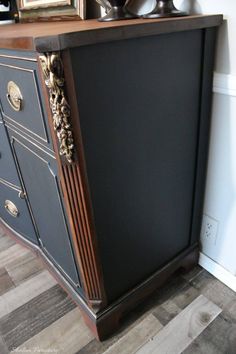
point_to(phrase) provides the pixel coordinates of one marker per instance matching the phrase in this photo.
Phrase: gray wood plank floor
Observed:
(192, 314)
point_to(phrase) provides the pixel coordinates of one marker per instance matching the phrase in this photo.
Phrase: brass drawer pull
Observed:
(11, 208)
(14, 96)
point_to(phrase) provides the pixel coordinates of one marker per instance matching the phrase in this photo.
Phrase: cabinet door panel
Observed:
(8, 170)
(14, 211)
(38, 172)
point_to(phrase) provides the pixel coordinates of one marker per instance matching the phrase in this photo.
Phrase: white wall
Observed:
(220, 199)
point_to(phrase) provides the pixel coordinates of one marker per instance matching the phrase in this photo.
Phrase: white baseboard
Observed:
(218, 271)
(224, 84)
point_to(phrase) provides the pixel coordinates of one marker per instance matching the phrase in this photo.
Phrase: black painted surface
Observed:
(139, 109)
(22, 223)
(8, 170)
(39, 175)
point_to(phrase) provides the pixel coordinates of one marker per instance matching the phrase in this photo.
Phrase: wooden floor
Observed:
(193, 313)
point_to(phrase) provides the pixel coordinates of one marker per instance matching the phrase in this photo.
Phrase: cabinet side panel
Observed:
(139, 112)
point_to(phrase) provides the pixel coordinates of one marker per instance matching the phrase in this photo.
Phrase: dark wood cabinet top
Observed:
(53, 36)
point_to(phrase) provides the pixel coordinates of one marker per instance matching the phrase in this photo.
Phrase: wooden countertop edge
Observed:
(101, 32)
(146, 28)
(23, 43)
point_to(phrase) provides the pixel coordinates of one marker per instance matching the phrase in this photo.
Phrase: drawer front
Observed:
(14, 211)
(22, 100)
(8, 170)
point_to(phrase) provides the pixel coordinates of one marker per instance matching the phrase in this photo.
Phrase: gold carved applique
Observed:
(54, 79)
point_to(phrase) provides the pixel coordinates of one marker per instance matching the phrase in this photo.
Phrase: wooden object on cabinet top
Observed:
(54, 36)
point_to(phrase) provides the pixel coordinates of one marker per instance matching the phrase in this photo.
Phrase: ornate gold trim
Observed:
(54, 79)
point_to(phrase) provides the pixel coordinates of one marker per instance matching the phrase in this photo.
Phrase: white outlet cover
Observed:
(209, 230)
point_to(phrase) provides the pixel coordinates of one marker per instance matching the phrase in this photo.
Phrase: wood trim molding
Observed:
(218, 271)
(224, 84)
(76, 196)
(74, 190)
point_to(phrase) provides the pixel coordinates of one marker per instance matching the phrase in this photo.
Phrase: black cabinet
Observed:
(116, 200)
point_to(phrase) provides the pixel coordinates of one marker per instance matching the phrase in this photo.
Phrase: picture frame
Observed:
(51, 10)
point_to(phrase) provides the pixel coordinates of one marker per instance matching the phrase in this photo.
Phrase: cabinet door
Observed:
(15, 213)
(39, 174)
(8, 170)
(14, 209)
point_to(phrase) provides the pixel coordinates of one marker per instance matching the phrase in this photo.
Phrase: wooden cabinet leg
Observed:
(104, 327)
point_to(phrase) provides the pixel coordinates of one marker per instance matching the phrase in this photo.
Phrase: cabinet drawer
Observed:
(21, 99)
(8, 170)
(14, 211)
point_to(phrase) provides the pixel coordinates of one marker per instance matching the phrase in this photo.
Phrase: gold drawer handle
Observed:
(11, 208)
(14, 96)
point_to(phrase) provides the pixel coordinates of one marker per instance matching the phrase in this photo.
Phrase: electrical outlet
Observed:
(209, 229)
